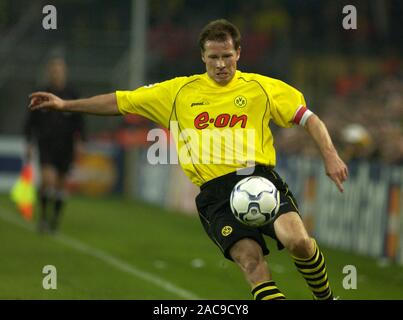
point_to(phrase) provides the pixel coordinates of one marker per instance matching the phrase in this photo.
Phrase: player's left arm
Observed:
(335, 167)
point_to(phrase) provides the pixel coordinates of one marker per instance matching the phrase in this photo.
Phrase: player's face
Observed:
(221, 60)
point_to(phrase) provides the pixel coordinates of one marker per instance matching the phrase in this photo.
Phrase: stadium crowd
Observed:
(364, 115)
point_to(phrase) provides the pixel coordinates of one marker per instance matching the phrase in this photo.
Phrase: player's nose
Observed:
(220, 63)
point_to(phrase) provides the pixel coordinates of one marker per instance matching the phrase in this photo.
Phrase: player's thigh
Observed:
(290, 230)
(221, 225)
(225, 230)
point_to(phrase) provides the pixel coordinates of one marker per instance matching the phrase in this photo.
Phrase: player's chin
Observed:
(222, 78)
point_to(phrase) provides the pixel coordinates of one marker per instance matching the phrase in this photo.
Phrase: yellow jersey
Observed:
(218, 129)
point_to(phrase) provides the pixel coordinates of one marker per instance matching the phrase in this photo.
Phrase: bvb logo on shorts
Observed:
(226, 231)
(240, 101)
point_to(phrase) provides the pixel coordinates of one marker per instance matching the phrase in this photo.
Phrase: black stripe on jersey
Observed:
(174, 103)
(267, 103)
(179, 126)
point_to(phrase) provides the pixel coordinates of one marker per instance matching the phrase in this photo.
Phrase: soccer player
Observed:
(219, 102)
(58, 136)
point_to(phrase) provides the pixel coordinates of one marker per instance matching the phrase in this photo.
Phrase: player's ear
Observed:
(238, 53)
(202, 56)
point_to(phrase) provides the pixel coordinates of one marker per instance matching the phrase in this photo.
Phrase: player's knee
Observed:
(301, 247)
(248, 255)
(250, 264)
(254, 266)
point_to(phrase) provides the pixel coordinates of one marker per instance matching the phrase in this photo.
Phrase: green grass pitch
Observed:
(113, 248)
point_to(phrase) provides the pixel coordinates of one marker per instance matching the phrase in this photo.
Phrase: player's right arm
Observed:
(104, 104)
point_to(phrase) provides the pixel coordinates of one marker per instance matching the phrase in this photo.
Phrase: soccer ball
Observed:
(255, 201)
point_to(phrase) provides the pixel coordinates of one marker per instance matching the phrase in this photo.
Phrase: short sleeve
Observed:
(154, 101)
(285, 103)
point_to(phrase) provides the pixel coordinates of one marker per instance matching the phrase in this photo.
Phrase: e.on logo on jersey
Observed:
(203, 120)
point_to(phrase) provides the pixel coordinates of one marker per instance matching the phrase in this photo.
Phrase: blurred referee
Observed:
(58, 137)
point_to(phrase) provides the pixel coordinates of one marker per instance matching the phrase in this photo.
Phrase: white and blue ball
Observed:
(255, 201)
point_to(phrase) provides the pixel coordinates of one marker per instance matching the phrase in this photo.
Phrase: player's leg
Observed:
(243, 245)
(239, 243)
(290, 232)
(307, 256)
(248, 255)
(46, 194)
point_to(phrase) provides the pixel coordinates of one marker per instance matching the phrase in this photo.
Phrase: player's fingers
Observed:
(40, 94)
(33, 107)
(37, 97)
(344, 174)
(45, 104)
(338, 184)
(34, 101)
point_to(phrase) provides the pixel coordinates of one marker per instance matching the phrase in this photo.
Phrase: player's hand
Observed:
(39, 100)
(336, 170)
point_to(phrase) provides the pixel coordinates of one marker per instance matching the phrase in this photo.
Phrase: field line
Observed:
(106, 258)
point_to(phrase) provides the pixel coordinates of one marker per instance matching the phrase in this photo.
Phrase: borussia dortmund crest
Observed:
(226, 231)
(240, 101)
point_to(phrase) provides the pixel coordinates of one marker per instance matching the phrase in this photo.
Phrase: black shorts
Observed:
(213, 205)
(59, 157)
